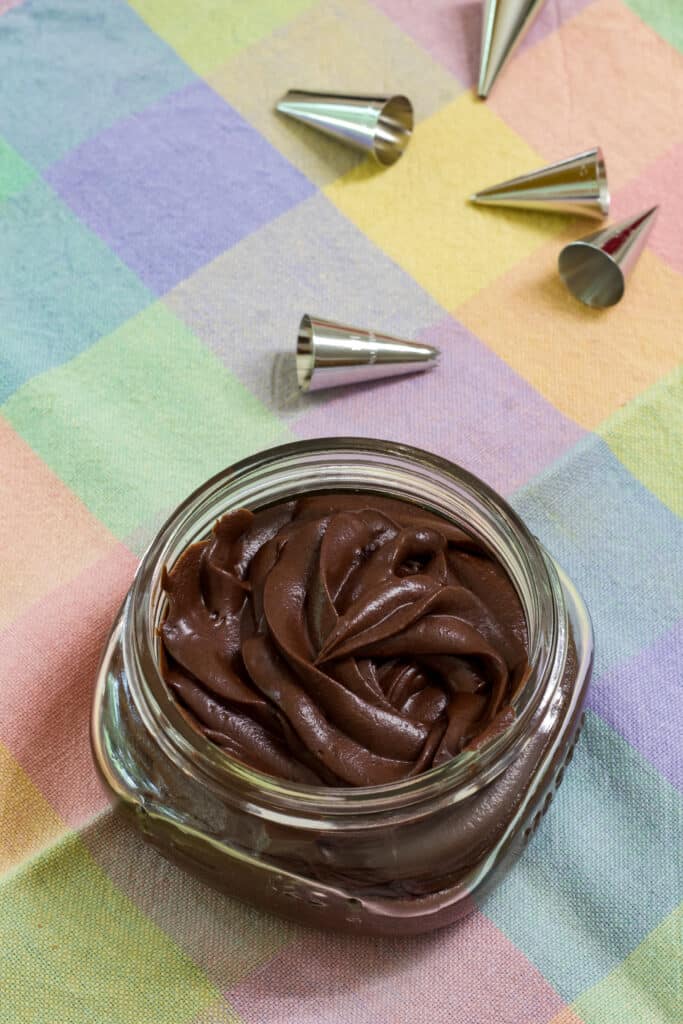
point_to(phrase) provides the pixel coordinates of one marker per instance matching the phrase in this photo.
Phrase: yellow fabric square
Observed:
(587, 362)
(417, 211)
(328, 35)
(27, 822)
(207, 32)
(75, 949)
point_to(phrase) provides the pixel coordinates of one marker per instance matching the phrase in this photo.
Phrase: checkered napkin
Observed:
(161, 232)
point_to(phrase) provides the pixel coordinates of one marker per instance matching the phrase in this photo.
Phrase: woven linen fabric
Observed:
(161, 232)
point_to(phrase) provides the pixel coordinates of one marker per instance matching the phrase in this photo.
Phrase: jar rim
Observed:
(542, 600)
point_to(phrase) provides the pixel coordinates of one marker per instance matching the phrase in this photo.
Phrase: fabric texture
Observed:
(162, 230)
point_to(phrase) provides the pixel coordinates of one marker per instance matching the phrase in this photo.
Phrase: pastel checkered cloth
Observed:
(161, 232)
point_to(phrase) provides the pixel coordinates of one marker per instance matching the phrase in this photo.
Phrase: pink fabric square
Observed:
(48, 660)
(47, 535)
(460, 975)
(660, 183)
(451, 29)
(604, 78)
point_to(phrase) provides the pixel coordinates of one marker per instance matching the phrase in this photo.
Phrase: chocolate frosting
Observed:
(342, 639)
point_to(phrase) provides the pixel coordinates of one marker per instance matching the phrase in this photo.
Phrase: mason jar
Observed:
(398, 858)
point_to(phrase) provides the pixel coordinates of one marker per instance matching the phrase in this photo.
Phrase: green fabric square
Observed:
(645, 435)
(647, 988)
(75, 949)
(140, 419)
(664, 16)
(228, 939)
(14, 172)
(61, 287)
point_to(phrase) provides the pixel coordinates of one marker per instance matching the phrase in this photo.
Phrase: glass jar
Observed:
(399, 858)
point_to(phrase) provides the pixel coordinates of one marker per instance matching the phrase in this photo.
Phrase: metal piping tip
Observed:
(595, 268)
(378, 125)
(329, 355)
(506, 22)
(576, 185)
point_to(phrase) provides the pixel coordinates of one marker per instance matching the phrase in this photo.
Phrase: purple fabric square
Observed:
(473, 409)
(642, 699)
(171, 188)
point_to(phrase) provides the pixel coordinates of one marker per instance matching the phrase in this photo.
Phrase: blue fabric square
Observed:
(61, 288)
(620, 545)
(70, 69)
(602, 870)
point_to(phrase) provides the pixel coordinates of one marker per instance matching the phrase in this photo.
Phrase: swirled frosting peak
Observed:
(342, 639)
